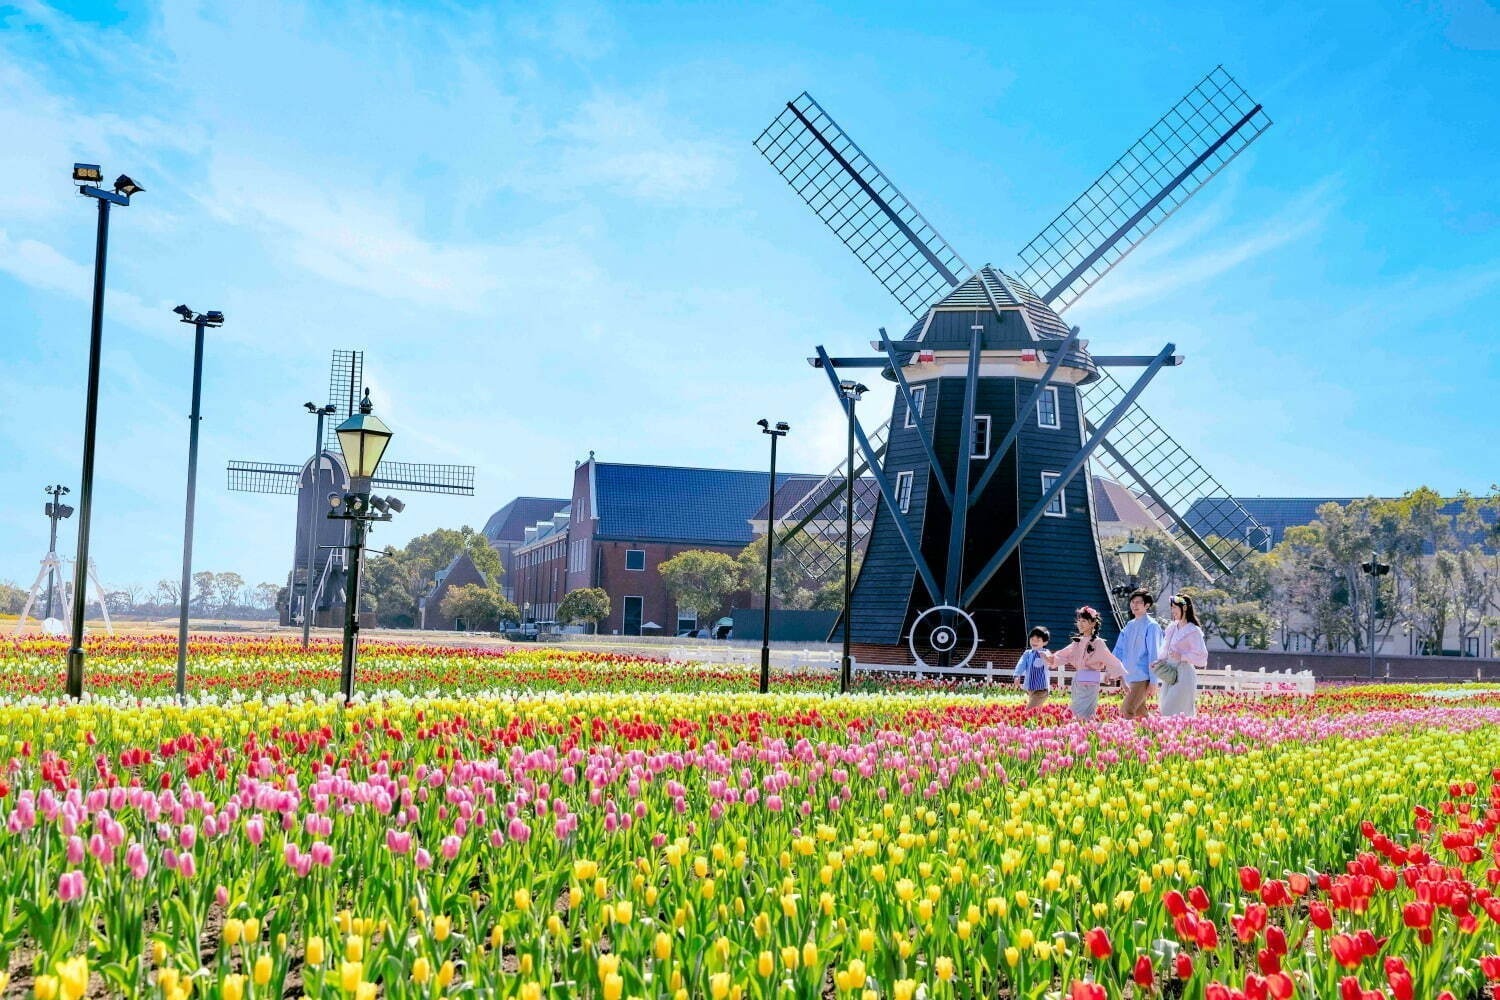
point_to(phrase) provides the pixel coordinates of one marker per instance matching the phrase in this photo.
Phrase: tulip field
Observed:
(554, 824)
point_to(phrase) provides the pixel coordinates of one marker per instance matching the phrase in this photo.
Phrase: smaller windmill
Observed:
(315, 585)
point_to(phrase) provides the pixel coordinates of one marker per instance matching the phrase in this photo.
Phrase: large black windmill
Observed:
(964, 552)
(320, 549)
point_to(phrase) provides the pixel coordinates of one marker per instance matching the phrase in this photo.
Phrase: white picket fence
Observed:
(1226, 679)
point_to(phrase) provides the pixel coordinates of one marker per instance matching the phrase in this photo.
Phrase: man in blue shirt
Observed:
(1138, 646)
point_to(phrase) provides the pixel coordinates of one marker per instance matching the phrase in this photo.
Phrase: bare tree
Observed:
(168, 593)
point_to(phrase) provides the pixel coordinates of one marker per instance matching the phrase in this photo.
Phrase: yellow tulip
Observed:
(252, 930)
(614, 986)
(442, 926)
(522, 899)
(314, 952)
(661, 946)
(1012, 956)
(158, 952)
(73, 978)
(233, 988)
(350, 975)
(944, 968)
(445, 975)
(232, 932)
(583, 870)
(718, 985)
(45, 988)
(810, 955)
(866, 939)
(531, 991)
(624, 910)
(354, 948)
(765, 964)
(263, 966)
(789, 957)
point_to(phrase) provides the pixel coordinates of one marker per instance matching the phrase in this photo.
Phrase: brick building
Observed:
(506, 529)
(622, 523)
(460, 572)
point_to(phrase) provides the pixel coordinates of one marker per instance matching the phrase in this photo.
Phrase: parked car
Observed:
(524, 632)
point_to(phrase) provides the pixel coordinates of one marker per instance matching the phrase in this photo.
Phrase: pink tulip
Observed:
(255, 830)
(71, 886)
(423, 859)
(449, 847)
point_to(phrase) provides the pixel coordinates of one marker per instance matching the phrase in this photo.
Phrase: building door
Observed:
(634, 608)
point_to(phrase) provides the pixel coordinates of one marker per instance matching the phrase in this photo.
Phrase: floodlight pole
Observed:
(90, 422)
(778, 431)
(56, 493)
(199, 321)
(851, 392)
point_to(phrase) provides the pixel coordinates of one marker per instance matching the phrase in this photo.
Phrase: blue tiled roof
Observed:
(1278, 514)
(658, 503)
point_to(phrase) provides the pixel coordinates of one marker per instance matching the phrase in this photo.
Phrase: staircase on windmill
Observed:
(319, 552)
(967, 553)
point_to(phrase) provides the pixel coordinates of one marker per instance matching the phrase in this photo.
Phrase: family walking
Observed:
(1144, 654)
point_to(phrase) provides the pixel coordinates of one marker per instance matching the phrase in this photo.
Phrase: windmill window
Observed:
(981, 436)
(1047, 413)
(903, 490)
(635, 559)
(918, 402)
(1058, 506)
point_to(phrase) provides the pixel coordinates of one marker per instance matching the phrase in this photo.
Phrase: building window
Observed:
(1471, 645)
(1058, 506)
(903, 490)
(981, 437)
(687, 620)
(634, 612)
(635, 559)
(1047, 412)
(918, 403)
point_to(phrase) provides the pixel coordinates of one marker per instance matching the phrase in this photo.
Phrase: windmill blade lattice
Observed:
(424, 477)
(1152, 179)
(264, 477)
(346, 379)
(806, 528)
(1170, 483)
(860, 204)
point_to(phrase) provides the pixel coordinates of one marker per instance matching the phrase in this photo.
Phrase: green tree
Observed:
(481, 608)
(586, 604)
(791, 588)
(12, 598)
(1164, 567)
(227, 589)
(701, 580)
(203, 591)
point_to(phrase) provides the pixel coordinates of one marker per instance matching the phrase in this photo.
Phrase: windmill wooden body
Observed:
(320, 542)
(985, 527)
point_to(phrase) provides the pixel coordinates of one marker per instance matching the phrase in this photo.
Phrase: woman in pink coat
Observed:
(1090, 658)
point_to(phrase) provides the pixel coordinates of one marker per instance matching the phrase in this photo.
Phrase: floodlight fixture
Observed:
(214, 318)
(783, 426)
(852, 389)
(124, 185)
(185, 313)
(311, 407)
(379, 504)
(335, 500)
(763, 424)
(395, 505)
(88, 173)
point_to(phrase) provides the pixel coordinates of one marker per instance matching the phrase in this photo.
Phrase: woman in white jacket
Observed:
(1183, 654)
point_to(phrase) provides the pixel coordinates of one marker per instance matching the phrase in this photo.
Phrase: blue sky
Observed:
(548, 229)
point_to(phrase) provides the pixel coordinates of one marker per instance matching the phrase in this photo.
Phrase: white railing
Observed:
(1226, 679)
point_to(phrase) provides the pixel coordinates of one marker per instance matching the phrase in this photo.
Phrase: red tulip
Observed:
(1276, 940)
(1175, 904)
(1216, 991)
(1346, 950)
(1097, 942)
(1268, 961)
(1280, 986)
(1182, 965)
(1198, 898)
(1417, 914)
(1490, 966)
(1208, 935)
(1143, 974)
(1320, 916)
(1249, 878)
(1087, 991)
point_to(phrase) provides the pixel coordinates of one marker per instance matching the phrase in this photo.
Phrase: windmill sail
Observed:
(860, 204)
(1152, 179)
(346, 379)
(1170, 163)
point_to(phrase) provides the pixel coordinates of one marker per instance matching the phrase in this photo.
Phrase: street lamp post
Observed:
(852, 391)
(88, 177)
(212, 318)
(775, 432)
(1374, 569)
(1131, 554)
(362, 440)
(308, 608)
(56, 511)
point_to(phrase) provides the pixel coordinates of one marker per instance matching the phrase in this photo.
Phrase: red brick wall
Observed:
(608, 558)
